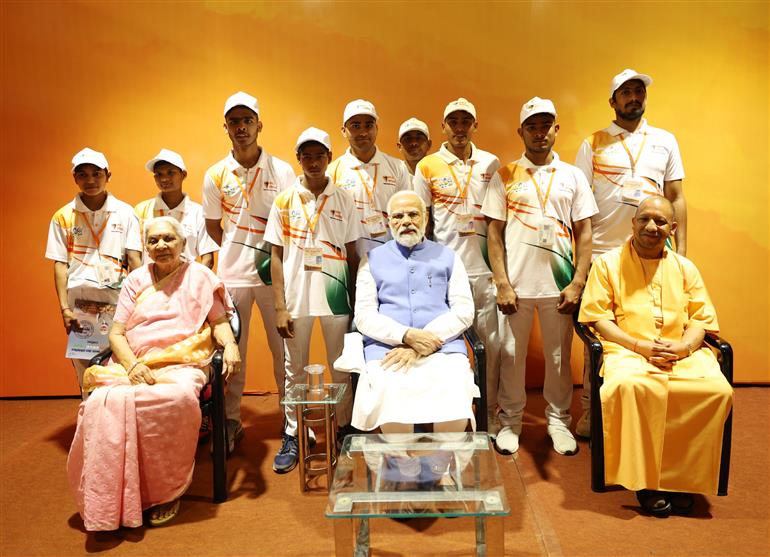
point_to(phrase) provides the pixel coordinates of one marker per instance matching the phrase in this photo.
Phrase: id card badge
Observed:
(375, 225)
(313, 259)
(464, 223)
(546, 233)
(633, 189)
(105, 274)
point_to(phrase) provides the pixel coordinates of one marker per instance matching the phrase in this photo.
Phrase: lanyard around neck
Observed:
(462, 189)
(369, 192)
(312, 221)
(97, 236)
(247, 195)
(631, 159)
(542, 199)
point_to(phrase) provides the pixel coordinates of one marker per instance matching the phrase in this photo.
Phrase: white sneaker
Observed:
(583, 427)
(563, 441)
(507, 442)
(493, 424)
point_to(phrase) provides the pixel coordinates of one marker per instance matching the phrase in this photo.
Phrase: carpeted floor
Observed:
(554, 512)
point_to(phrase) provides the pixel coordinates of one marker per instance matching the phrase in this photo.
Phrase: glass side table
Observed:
(416, 475)
(316, 408)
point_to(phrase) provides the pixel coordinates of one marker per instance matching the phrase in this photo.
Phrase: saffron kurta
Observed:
(662, 429)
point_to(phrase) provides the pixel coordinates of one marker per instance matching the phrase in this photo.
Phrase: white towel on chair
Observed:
(352, 358)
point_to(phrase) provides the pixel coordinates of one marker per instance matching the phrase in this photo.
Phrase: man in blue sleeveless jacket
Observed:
(413, 302)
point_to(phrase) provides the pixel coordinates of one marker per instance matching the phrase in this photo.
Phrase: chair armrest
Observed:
(475, 342)
(593, 344)
(235, 324)
(101, 357)
(725, 354)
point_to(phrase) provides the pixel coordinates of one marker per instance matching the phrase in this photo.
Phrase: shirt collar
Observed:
(109, 205)
(615, 130)
(234, 166)
(524, 162)
(450, 158)
(160, 204)
(356, 164)
(306, 195)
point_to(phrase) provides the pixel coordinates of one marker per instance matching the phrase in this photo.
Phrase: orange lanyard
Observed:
(311, 222)
(463, 190)
(542, 199)
(247, 195)
(631, 159)
(369, 193)
(97, 236)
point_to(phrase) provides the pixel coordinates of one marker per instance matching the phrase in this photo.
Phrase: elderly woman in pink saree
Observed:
(136, 436)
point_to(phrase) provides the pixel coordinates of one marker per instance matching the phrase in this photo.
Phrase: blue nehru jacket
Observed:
(412, 288)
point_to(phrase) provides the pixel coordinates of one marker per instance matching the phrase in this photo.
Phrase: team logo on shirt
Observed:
(77, 230)
(294, 214)
(444, 183)
(230, 189)
(519, 187)
(389, 180)
(269, 186)
(116, 227)
(347, 184)
(335, 214)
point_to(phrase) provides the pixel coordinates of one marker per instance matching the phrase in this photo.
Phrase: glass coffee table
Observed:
(416, 475)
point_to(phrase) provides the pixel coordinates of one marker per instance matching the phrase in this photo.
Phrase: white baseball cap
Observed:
(536, 105)
(413, 124)
(356, 107)
(627, 75)
(460, 104)
(241, 99)
(313, 134)
(166, 155)
(89, 156)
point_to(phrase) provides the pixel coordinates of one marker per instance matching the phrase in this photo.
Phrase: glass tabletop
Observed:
(328, 393)
(408, 475)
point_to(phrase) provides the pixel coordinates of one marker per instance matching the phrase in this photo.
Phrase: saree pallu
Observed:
(134, 446)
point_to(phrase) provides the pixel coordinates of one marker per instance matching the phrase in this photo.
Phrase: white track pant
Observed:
(556, 331)
(244, 299)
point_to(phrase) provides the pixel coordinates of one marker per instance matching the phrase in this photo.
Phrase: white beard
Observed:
(408, 240)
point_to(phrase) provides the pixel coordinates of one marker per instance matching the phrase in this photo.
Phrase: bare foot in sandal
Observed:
(164, 513)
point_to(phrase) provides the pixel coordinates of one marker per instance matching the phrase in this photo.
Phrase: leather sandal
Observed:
(168, 512)
(654, 502)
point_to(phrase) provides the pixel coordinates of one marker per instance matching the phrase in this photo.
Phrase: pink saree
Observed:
(134, 446)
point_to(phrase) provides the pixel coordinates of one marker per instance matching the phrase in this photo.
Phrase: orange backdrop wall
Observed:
(129, 78)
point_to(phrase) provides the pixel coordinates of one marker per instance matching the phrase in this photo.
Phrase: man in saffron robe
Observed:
(664, 399)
